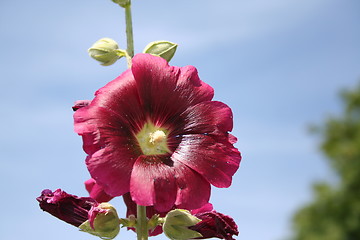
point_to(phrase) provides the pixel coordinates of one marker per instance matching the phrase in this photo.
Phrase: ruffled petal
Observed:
(193, 190)
(111, 169)
(209, 117)
(153, 182)
(215, 159)
(96, 191)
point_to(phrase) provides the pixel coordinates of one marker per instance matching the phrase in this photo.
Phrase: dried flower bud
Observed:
(103, 221)
(69, 208)
(177, 223)
(164, 49)
(106, 51)
(215, 224)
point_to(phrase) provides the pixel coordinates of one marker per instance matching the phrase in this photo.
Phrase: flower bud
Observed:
(103, 221)
(176, 225)
(162, 49)
(122, 3)
(106, 51)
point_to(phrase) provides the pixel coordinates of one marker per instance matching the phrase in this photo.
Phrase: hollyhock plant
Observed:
(156, 133)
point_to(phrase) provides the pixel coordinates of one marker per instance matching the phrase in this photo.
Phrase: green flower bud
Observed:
(162, 49)
(122, 3)
(103, 222)
(106, 51)
(176, 225)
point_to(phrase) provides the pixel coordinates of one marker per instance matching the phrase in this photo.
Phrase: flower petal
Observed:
(193, 190)
(209, 117)
(96, 191)
(121, 97)
(153, 183)
(166, 91)
(215, 159)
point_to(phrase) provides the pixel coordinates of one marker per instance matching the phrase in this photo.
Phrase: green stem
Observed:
(129, 30)
(142, 223)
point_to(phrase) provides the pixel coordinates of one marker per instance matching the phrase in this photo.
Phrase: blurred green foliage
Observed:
(334, 214)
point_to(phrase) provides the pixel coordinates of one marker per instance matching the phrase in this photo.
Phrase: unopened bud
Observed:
(164, 49)
(177, 223)
(122, 3)
(106, 51)
(103, 221)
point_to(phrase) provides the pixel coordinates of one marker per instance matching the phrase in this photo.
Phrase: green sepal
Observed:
(128, 222)
(106, 223)
(106, 234)
(164, 49)
(154, 222)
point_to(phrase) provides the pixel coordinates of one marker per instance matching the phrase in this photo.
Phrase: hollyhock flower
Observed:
(69, 208)
(155, 132)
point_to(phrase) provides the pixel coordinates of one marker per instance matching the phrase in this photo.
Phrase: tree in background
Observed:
(334, 214)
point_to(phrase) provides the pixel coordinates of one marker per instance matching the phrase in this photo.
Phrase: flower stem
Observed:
(129, 30)
(142, 223)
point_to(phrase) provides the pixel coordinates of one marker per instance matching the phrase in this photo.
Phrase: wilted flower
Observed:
(69, 208)
(82, 212)
(155, 132)
(215, 224)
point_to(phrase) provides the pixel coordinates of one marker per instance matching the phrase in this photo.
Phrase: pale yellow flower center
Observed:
(153, 140)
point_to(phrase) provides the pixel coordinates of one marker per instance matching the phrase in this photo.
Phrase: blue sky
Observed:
(278, 63)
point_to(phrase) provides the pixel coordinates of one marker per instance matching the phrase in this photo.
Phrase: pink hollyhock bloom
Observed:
(69, 208)
(155, 132)
(96, 191)
(214, 224)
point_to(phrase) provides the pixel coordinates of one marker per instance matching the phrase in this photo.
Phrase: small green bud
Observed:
(106, 51)
(122, 3)
(162, 49)
(103, 222)
(176, 225)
